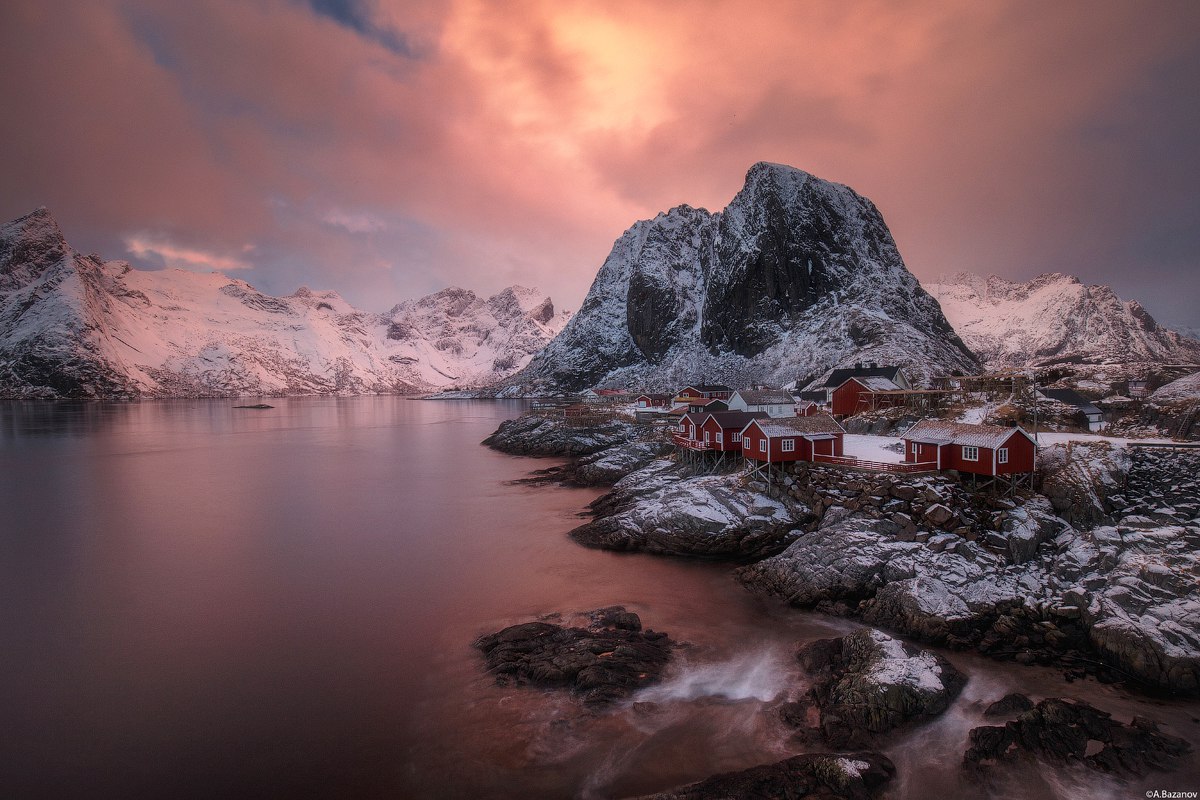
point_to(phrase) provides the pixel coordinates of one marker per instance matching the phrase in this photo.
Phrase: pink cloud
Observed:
(522, 139)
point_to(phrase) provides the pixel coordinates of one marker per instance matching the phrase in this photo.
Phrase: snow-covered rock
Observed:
(1185, 389)
(74, 326)
(866, 684)
(795, 276)
(1055, 319)
(710, 516)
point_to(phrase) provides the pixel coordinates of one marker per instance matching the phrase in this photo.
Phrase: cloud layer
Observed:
(388, 149)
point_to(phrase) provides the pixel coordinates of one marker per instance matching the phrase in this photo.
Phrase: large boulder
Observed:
(1072, 732)
(606, 660)
(543, 435)
(866, 684)
(708, 516)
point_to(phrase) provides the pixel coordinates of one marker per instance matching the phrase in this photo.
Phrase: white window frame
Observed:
(762, 445)
(720, 437)
(915, 448)
(970, 453)
(737, 437)
(706, 436)
(789, 446)
(1002, 455)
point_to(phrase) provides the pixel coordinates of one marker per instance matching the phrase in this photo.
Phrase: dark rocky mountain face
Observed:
(796, 276)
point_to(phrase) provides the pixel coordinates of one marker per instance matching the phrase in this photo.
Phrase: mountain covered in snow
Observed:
(796, 276)
(75, 326)
(1055, 319)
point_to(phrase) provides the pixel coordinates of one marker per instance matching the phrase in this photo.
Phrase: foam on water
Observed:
(761, 674)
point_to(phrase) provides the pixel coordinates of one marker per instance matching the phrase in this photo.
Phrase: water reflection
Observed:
(201, 600)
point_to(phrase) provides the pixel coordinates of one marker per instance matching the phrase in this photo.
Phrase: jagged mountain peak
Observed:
(74, 326)
(794, 276)
(28, 246)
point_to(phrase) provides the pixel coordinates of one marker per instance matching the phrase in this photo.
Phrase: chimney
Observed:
(858, 365)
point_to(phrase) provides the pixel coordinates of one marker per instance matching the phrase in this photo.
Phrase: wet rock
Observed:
(606, 660)
(1063, 732)
(849, 776)
(539, 435)
(938, 515)
(710, 516)
(612, 464)
(1008, 705)
(866, 684)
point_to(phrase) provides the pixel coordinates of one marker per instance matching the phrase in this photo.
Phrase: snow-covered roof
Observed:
(934, 431)
(766, 397)
(840, 376)
(876, 384)
(799, 426)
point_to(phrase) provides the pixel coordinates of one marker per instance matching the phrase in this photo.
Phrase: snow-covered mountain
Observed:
(75, 326)
(1055, 319)
(795, 277)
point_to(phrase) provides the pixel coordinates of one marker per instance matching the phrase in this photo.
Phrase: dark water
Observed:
(203, 601)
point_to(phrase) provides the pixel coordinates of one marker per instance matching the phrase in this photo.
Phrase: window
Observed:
(970, 453)
(762, 445)
(1002, 455)
(720, 438)
(789, 445)
(914, 449)
(706, 435)
(737, 436)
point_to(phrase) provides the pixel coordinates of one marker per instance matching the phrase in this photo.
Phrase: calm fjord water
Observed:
(197, 600)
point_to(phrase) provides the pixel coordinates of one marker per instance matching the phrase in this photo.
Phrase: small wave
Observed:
(755, 675)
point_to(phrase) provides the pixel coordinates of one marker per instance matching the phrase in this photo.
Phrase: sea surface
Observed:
(204, 601)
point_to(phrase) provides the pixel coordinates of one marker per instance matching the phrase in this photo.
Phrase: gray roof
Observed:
(735, 419)
(936, 431)
(766, 397)
(877, 384)
(1070, 397)
(840, 376)
(816, 425)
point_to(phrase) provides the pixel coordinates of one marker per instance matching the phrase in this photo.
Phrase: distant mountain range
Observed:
(796, 276)
(1055, 319)
(74, 326)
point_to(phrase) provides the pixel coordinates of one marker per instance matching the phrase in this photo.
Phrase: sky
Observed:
(387, 149)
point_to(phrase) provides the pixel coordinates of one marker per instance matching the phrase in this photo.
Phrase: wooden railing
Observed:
(689, 444)
(875, 466)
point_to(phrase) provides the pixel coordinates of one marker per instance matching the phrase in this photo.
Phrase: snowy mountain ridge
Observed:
(1055, 319)
(74, 326)
(795, 277)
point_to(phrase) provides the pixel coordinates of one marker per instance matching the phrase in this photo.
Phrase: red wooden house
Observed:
(992, 450)
(689, 432)
(806, 408)
(701, 405)
(653, 401)
(856, 395)
(722, 430)
(782, 439)
(704, 391)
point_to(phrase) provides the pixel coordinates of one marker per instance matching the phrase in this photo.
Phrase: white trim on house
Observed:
(789, 445)
(1002, 455)
(970, 453)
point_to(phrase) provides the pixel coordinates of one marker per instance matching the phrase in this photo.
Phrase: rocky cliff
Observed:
(794, 277)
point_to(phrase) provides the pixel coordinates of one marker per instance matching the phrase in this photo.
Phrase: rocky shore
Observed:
(600, 452)
(1094, 573)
